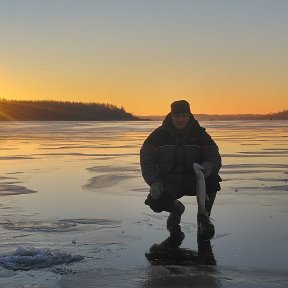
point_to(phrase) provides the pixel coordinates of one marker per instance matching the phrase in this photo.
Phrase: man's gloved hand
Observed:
(207, 169)
(156, 189)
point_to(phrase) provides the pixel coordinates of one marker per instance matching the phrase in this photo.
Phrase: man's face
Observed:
(180, 121)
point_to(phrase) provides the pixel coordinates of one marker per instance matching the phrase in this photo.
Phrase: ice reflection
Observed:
(169, 252)
(174, 263)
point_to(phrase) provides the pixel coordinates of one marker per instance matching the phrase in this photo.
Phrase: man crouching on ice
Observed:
(167, 157)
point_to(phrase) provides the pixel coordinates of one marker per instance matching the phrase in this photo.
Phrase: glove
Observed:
(207, 169)
(156, 189)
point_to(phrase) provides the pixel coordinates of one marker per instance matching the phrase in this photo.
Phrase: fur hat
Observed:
(180, 107)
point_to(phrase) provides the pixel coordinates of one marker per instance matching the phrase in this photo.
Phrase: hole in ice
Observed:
(27, 258)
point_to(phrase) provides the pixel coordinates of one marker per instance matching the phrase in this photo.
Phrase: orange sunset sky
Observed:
(224, 57)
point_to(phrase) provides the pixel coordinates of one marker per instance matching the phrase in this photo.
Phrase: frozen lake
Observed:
(72, 210)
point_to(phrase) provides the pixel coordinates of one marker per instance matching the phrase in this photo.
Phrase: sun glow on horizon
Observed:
(222, 63)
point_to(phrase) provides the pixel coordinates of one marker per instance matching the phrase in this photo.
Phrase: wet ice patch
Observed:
(104, 181)
(39, 226)
(16, 157)
(9, 186)
(98, 223)
(27, 258)
(254, 155)
(265, 153)
(253, 168)
(13, 189)
(63, 225)
(102, 168)
(6, 178)
(249, 166)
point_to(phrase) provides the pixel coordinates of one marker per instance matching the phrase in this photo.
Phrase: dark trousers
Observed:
(175, 191)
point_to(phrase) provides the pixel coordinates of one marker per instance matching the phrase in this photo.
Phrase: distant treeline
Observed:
(60, 111)
(283, 115)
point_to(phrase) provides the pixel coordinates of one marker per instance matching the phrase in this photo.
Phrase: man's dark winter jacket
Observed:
(167, 156)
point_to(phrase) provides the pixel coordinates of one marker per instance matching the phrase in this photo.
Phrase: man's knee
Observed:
(161, 204)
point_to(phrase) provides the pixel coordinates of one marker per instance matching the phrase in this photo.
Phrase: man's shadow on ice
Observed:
(168, 252)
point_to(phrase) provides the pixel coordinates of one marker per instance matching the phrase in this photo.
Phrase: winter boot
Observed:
(176, 210)
(175, 239)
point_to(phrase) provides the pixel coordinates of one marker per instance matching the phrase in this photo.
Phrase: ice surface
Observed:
(90, 203)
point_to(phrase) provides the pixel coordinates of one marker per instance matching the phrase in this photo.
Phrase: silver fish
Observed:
(201, 195)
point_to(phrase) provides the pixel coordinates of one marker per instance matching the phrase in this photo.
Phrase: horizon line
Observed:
(144, 115)
(217, 114)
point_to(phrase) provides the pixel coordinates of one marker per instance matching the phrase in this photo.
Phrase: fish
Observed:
(201, 195)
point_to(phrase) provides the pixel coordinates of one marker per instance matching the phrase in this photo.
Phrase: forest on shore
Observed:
(30, 110)
(46, 110)
(283, 115)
